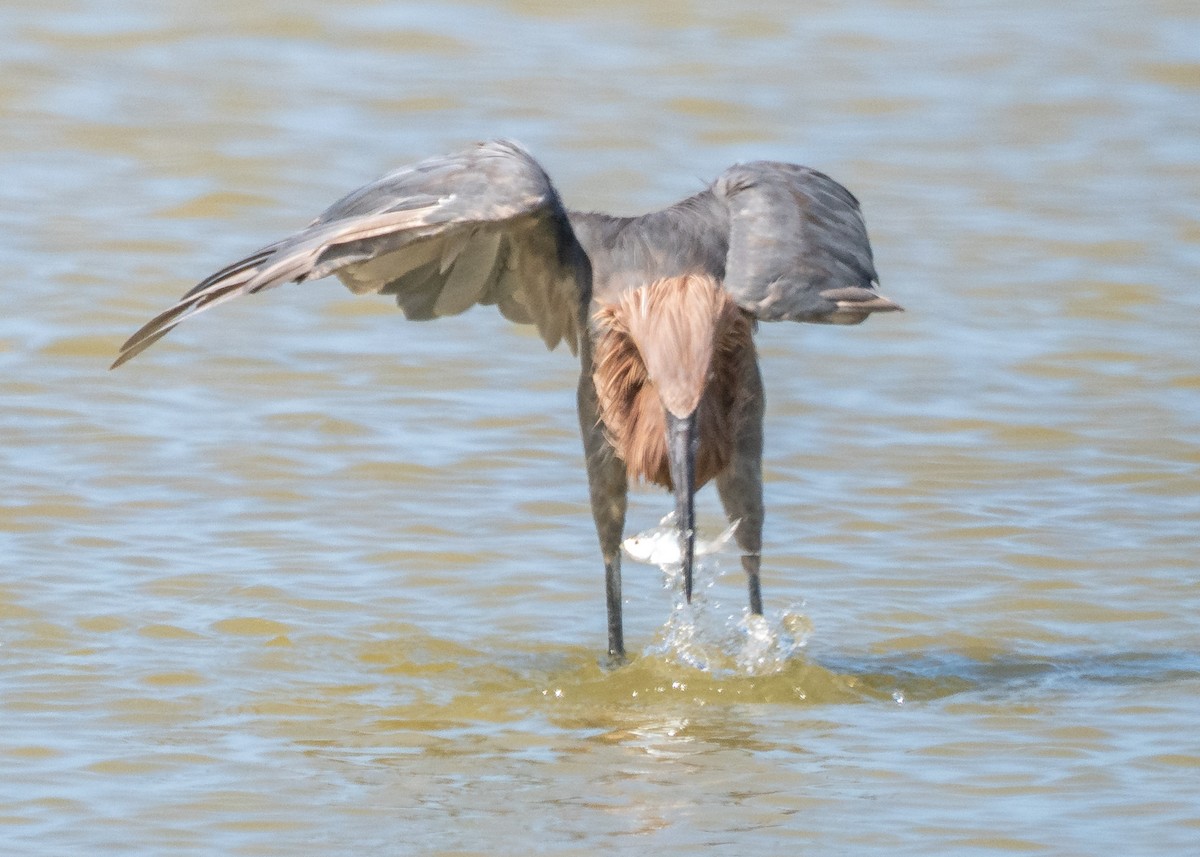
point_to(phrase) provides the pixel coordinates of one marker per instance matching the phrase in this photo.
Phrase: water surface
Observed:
(306, 578)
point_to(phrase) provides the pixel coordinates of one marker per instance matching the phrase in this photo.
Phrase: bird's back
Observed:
(626, 253)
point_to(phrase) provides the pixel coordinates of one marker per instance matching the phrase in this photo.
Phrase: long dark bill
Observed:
(682, 443)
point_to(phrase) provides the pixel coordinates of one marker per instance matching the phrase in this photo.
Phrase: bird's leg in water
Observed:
(740, 488)
(750, 563)
(608, 508)
(612, 595)
(608, 489)
(740, 484)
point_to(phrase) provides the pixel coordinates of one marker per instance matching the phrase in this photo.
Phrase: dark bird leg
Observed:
(608, 489)
(740, 484)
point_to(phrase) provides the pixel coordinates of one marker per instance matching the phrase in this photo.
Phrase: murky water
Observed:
(307, 579)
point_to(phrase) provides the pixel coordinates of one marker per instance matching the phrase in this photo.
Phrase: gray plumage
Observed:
(486, 226)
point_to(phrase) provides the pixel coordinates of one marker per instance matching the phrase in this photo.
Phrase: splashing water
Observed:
(702, 635)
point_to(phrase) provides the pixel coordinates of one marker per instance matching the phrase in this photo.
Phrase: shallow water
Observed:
(305, 578)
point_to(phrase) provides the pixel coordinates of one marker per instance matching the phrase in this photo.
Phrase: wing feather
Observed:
(364, 274)
(472, 213)
(798, 246)
(467, 281)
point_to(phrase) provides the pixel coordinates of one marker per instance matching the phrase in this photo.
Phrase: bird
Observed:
(660, 308)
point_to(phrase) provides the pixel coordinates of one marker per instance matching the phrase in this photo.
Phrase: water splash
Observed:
(703, 635)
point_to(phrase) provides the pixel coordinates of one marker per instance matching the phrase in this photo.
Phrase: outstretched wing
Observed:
(798, 247)
(482, 226)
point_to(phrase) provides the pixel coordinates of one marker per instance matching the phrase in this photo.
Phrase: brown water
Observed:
(308, 579)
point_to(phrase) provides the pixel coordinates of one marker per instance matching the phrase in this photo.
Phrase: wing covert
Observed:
(798, 246)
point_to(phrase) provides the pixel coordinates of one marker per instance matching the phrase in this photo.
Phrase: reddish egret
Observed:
(660, 308)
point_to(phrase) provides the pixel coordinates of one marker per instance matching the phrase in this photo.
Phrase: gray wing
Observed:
(481, 226)
(798, 247)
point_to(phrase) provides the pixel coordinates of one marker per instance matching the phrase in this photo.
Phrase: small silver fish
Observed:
(660, 546)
